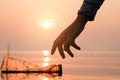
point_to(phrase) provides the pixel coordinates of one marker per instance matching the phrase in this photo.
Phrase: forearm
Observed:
(89, 8)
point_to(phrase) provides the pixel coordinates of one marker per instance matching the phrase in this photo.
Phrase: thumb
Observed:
(75, 45)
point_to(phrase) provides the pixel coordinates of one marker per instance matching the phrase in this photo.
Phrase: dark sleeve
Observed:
(89, 8)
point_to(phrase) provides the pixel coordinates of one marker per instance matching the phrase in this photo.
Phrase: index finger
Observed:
(53, 48)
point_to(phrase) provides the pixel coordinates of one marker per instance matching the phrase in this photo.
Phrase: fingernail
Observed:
(63, 57)
(51, 53)
(72, 56)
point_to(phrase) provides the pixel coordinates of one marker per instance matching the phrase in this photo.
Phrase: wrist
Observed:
(82, 19)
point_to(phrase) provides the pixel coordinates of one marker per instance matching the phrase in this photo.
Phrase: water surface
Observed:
(86, 65)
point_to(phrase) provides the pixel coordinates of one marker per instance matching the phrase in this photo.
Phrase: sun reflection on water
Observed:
(45, 78)
(45, 53)
(45, 64)
(46, 58)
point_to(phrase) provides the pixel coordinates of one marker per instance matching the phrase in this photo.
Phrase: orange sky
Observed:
(20, 24)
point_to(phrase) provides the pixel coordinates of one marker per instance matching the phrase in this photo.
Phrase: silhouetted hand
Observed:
(68, 36)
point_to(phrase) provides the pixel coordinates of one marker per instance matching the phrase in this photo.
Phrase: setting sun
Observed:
(46, 24)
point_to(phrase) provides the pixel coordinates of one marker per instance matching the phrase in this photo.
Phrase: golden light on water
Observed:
(45, 64)
(45, 78)
(45, 52)
(46, 58)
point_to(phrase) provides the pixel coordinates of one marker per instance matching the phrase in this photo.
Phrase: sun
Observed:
(46, 24)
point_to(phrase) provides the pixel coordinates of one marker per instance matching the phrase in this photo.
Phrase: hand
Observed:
(68, 36)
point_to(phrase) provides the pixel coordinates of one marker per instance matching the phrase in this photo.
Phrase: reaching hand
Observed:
(68, 36)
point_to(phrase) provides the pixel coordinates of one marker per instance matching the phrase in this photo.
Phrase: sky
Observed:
(22, 24)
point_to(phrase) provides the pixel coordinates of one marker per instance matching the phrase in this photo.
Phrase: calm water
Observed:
(84, 66)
